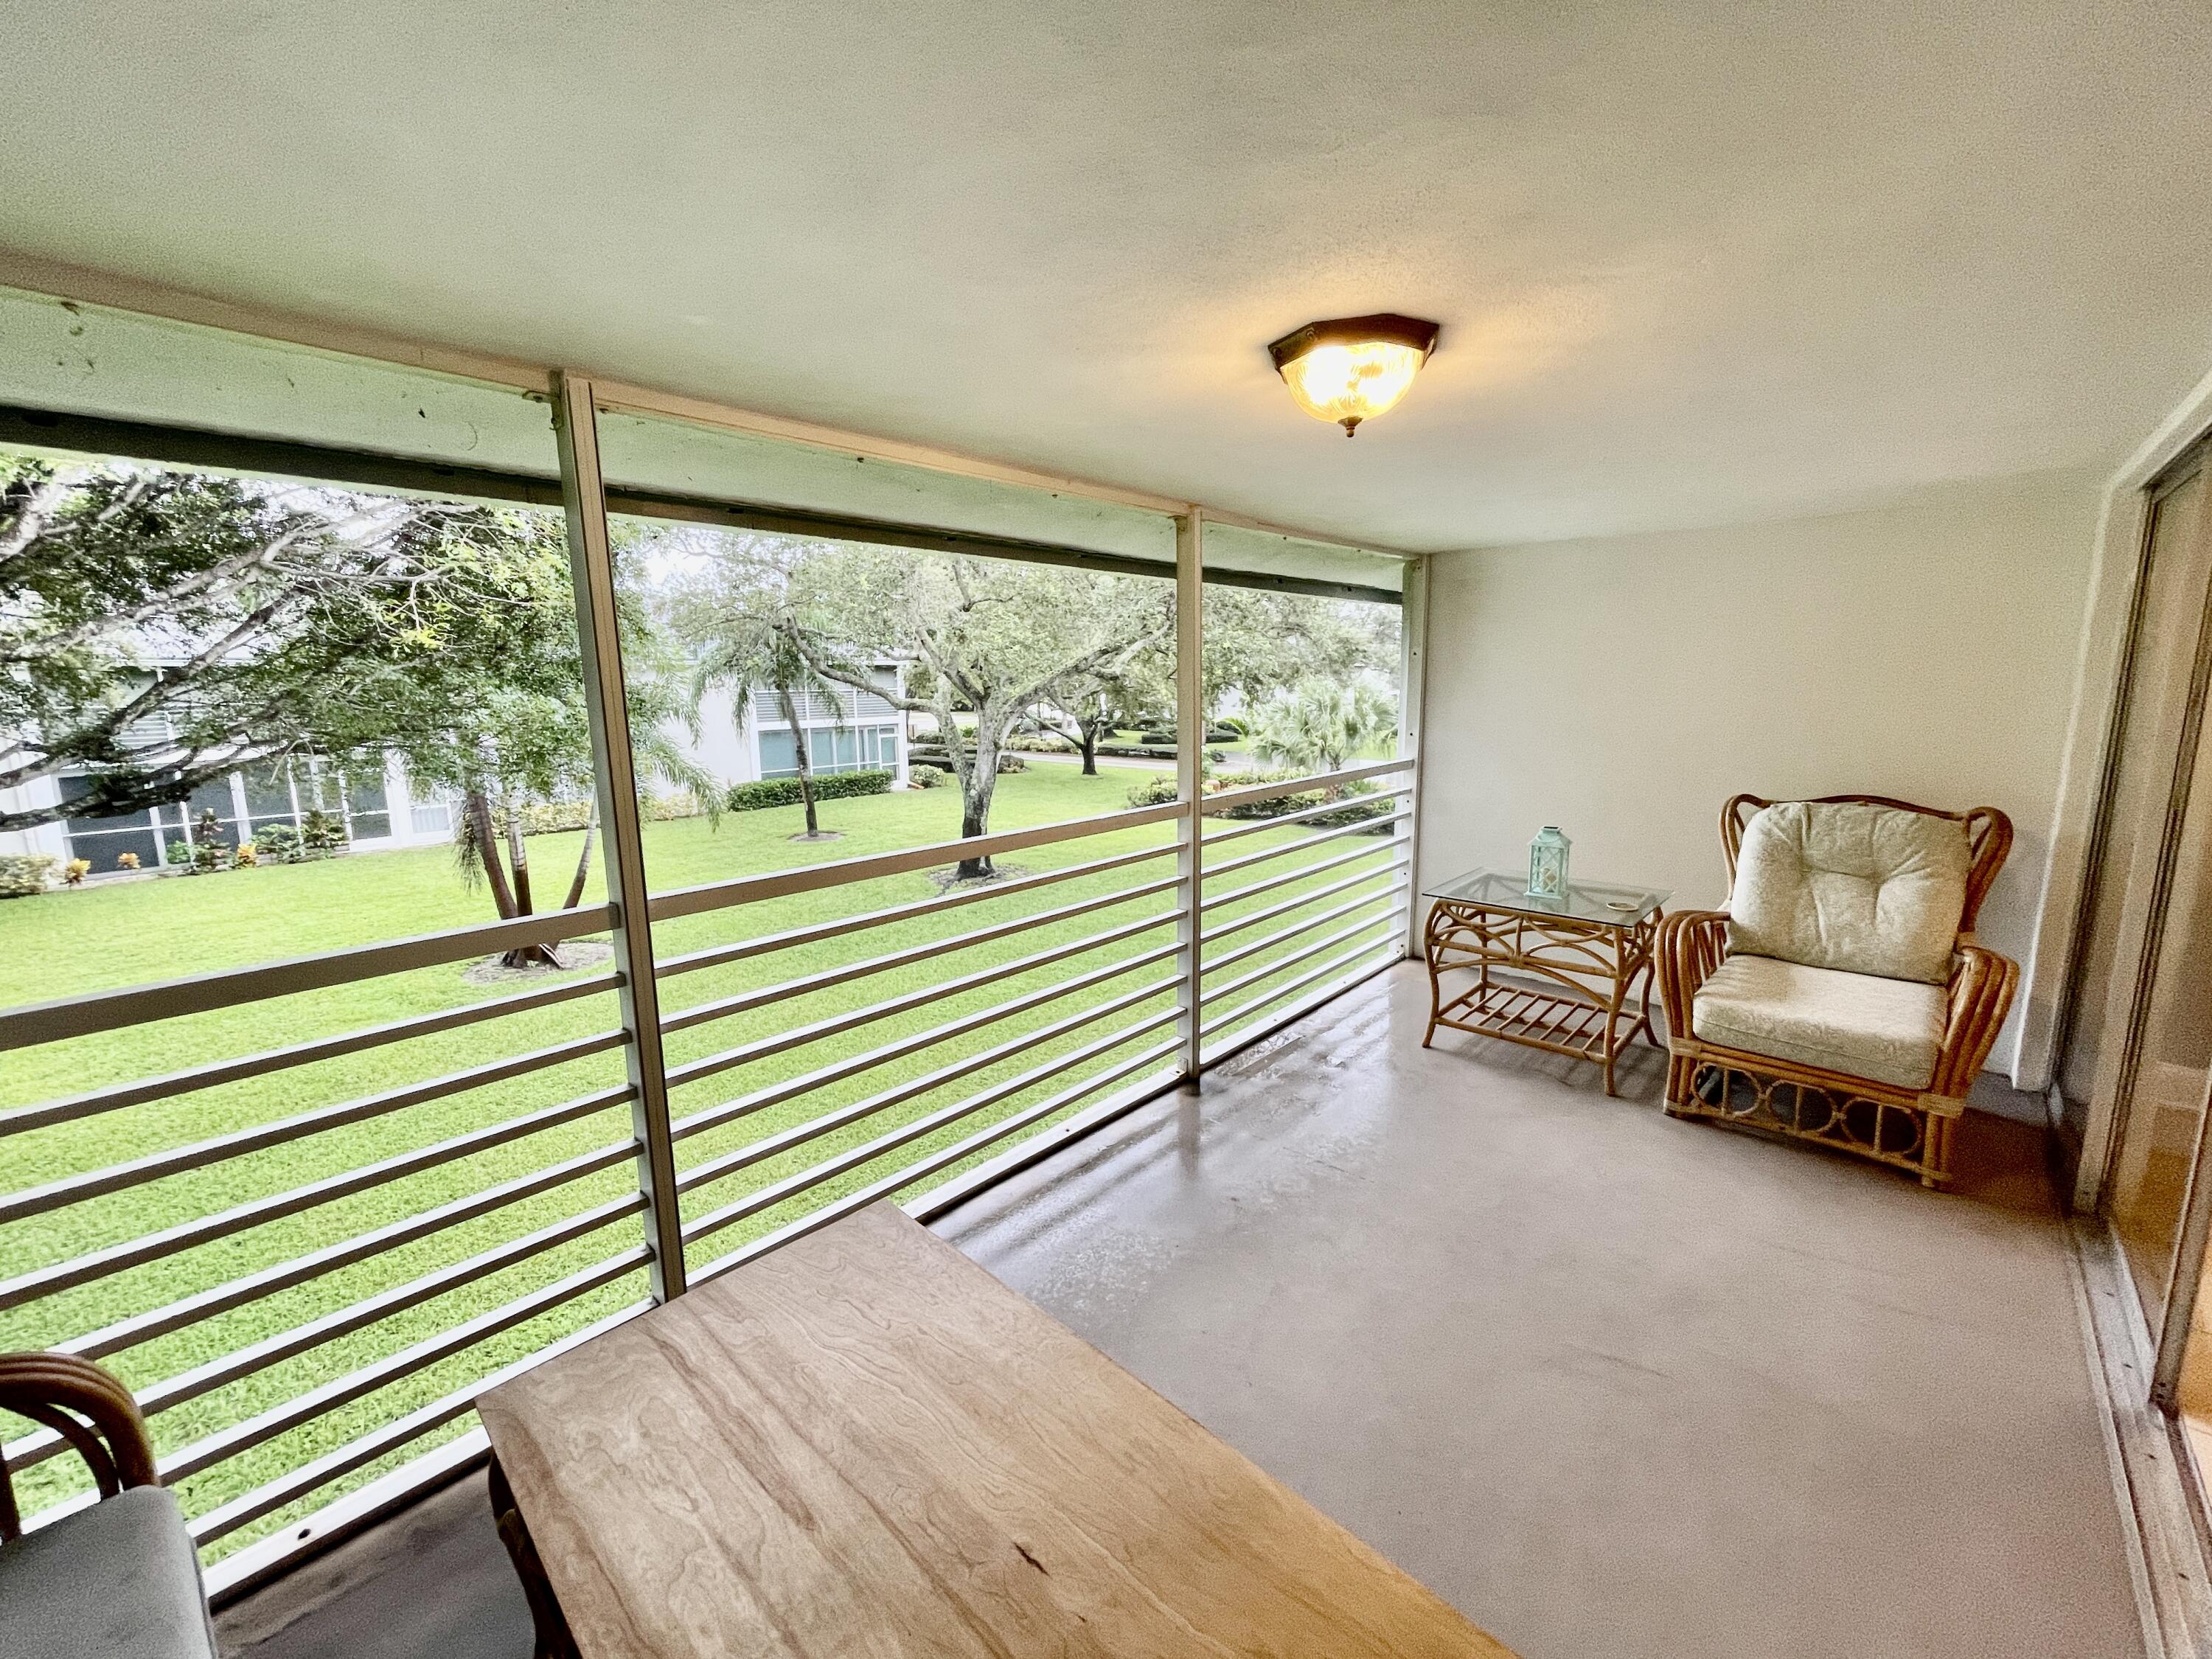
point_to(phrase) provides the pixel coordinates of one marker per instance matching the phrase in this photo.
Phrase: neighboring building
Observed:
(382, 811)
(865, 733)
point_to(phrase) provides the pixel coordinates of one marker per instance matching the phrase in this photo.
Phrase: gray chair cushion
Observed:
(1857, 888)
(117, 1581)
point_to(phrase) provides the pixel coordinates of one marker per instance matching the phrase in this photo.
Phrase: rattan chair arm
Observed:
(89, 1408)
(1691, 946)
(1980, 995)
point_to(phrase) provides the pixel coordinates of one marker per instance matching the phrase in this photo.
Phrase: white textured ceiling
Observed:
(1695, 262)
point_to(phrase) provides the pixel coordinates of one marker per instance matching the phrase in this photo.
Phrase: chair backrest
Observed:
(1988, 838)
(1861, 884)
(88, 1408)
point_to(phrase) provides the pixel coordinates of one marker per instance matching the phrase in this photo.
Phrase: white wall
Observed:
(1624, 688)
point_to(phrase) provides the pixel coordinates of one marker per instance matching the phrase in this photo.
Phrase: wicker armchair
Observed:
(1904, 1117)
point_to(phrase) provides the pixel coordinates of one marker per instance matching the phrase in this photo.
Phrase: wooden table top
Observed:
(863, 1445)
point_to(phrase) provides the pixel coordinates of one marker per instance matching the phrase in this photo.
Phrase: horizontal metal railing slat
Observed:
(1269, 970)
(131, 1252)
(832, 1025)
(22, 1119)
(753, 1203)
(907, 1175)
(1284, 935)
(257, 1357)
(1300, 900)
(836, 1071)
(828, 978)
(303, 1407)
(200, 993)
(1279, 991)
(244, 1511)
(1347, 804)
(717, 955)
(1364, 827)
(119, 1178)
(1259, 792)
(1213, 901)
(841, 872)
(715, 1168)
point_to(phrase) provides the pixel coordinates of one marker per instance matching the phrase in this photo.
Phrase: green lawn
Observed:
(122, 934)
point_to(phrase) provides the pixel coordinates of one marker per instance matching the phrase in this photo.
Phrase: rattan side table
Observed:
(1573, 963)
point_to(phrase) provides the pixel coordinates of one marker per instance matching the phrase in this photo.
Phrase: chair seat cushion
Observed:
(116, 1581)
(1889, 1031)
(1850, 885)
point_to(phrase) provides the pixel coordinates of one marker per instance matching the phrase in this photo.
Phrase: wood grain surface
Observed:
(863, 1445)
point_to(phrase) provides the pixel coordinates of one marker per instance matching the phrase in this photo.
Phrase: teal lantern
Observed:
(1547, 864)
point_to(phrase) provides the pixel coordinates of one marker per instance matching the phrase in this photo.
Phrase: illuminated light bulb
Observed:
(1353, 368)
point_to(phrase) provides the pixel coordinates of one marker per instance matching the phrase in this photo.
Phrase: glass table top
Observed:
(1585, 901)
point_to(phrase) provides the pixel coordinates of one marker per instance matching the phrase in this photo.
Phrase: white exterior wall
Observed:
(1624, 688)
(733, 754)
(47, 840)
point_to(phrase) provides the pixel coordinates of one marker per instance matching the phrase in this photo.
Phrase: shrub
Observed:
(75, 871)
(245, 856)
(926, 777)
(1039, 743)
(322, 833)
(1167, 737)
(278, 844)
(23, 874)
(208, 855)
(126, 860)
(181, 854)
(784, 792)
(1133, 751)
(1011, 764)
(1160, 790)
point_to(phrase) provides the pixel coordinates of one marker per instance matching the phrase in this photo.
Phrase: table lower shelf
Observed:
(1553, 1021)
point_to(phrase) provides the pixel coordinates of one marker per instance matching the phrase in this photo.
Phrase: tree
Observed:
(159, 628)
(1091, 706)
(748, 637)
(523, 734)
(1258, 643)
(1317, 725)
(998, 636)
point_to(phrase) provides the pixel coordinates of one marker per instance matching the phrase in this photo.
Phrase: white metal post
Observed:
(1190, 756)
(1413, 689)
(591, 575)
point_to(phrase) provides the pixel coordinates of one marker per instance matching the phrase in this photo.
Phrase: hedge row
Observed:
(548, 817)
(784, 792)
(1160, 790)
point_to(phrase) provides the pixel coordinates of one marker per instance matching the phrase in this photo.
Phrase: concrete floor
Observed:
(1611, 1383)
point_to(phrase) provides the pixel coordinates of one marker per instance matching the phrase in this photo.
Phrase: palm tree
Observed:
(761, 650)
(1318, 725)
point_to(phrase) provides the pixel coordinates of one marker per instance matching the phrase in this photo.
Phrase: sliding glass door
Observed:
(2137, 1058)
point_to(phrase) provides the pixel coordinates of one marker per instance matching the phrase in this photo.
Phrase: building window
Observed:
(830, 750)
(369, 813)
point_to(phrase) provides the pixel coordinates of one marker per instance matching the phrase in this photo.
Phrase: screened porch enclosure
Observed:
(313, 1191)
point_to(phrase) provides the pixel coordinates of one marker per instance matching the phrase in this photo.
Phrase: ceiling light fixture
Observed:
(1352, 369)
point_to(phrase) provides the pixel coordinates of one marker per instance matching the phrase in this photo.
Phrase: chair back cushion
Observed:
(1857, 888)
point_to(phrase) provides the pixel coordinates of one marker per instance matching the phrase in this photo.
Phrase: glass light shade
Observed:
(1353, 381)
